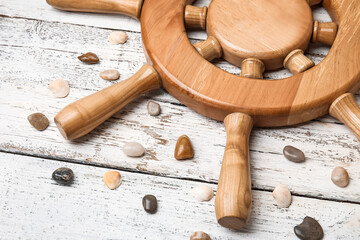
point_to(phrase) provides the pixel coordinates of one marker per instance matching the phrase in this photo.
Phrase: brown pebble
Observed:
(200, 236)
(309, 229)
(110, 75)
(38, 121)
(89, 58)
(340, 177)
(184, 149)
(293, 154)
(149, 203)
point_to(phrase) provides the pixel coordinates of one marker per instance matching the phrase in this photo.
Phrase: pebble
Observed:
(184, 149)
(38, 121)
(293, 154)
(112, 179)
(309, 229)
(60, 88)
(89, 58)
(110, 75)
(200, 236)
(340, 177)
(133, 149)
(63, 176)
(149, 203)
(282, 196)
(153, 108)
(118, 37)
(202, 193)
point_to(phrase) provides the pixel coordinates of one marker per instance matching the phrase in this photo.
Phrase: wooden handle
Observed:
(195, 17)
(233, 196)
(209, 49)
(345, 109)
(297, 62)
(82, 116)
(313, 2)
(324, 32)
(130, 8)
(252, 68)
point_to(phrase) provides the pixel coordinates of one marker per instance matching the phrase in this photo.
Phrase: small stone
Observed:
(184, 149)
(118, 37)
(153, 108)
(59, 88)
(282, 196)
(89, 58)
(110, 75)
(149, 203)
(112, 179)
(293, 154)
(309, 229)
(38, 121)
(340, 177)
(63, 176)
(202, 193)
(200, 236)
(133, 149)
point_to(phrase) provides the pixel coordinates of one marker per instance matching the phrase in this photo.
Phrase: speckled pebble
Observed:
(38, 121)
(202, 193)
(63, 176)
(282, 196)
(309, 229)
(60, 88)
(149, 203)
(118, 37)
(133, 149)
(112, 179)
(153, 108)
(200, 236)
(293, 154)
(89, 58)
(340, 177)
(110, 75)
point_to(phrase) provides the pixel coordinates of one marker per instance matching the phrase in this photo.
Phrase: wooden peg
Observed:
(252, 68)
(209, 49)
(324, 32)
(313, 2)
(345, 109)
(297, 62)
(233, 196)
(130, 8)
(195, 17)
(82, 116)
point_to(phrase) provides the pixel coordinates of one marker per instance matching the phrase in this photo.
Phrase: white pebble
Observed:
(118, 37)
(133, 149)
(110, 75)
(282, 196)
(202, 193)
(60, 88)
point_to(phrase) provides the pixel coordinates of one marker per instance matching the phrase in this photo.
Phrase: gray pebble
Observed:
(309, 229)
(153, 108)
(150, 204)
(293, 154)
(63, 176)
(133, 149)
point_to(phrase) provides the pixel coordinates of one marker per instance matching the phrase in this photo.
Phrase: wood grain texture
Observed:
(252, 68)
(263, 29)
(297, 62)
(347, 110)
(84, 115)
(324, 32)
(215, 93)
(89, 210)
(195, 17)
(130, 8)
(233, 199)
(209, 49)
(313, 2)
(51, 48)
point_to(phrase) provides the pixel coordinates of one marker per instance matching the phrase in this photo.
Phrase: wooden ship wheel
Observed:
(256, 35)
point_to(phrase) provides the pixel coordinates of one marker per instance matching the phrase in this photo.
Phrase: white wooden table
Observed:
(39, 44)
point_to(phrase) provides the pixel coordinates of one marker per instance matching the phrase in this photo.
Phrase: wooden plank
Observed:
(35, 207)
(45, 51)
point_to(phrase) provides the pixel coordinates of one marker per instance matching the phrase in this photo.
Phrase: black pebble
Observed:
(309, 229)
(150, 203)
(63, 176)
